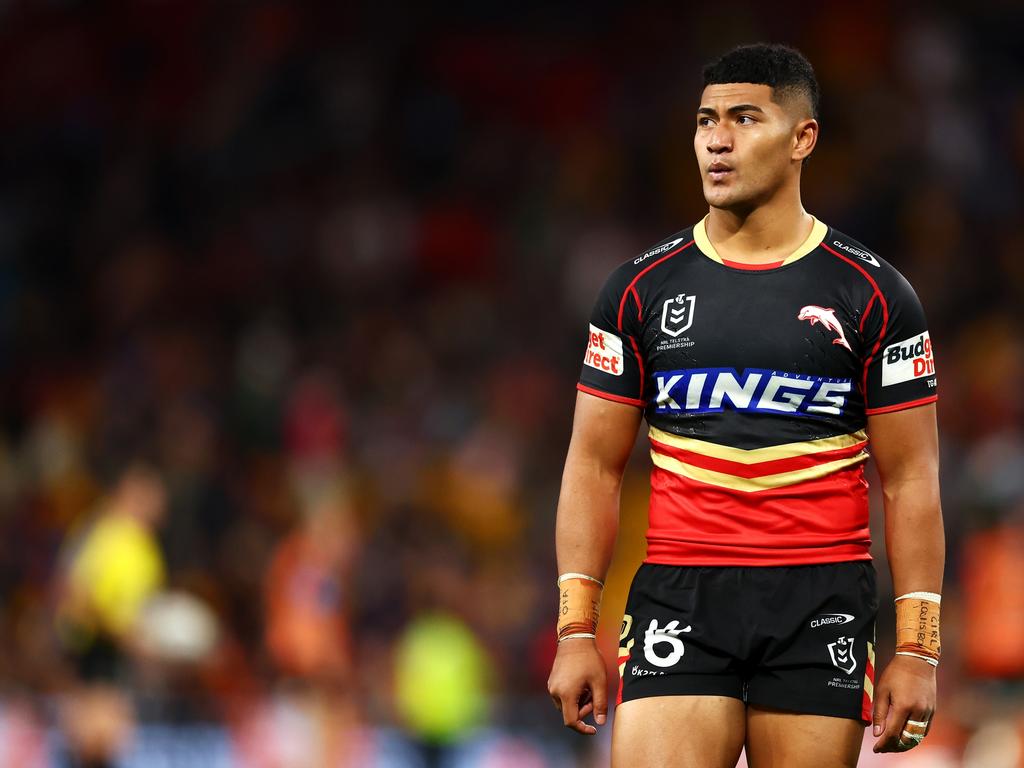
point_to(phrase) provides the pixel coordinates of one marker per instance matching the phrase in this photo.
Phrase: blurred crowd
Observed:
(292, 303)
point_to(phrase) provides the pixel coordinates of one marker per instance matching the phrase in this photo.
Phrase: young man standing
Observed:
(764, 348)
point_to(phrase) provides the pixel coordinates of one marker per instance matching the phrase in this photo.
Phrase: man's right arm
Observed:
(603, 435)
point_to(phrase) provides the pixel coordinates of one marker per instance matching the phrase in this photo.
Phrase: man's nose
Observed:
(720, 140)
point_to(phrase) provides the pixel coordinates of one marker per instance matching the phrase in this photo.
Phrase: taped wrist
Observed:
(579, 605)
(917, 626)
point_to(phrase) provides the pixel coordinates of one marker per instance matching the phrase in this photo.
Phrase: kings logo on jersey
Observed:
(755, 390)
(908, 360)
(677, 314)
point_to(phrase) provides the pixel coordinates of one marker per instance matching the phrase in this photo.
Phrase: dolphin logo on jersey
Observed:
(827, 317)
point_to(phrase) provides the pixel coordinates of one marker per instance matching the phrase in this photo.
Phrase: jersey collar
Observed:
(818, 232)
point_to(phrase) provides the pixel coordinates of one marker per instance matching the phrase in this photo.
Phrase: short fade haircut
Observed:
(785, 70)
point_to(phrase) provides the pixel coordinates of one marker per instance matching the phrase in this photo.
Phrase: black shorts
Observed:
(794, 638)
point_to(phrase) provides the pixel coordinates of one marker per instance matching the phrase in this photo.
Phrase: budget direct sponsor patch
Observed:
(908, 360)
(604, 351)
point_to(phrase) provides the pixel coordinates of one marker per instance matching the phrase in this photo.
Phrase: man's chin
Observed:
(728, 199)
(720, 197)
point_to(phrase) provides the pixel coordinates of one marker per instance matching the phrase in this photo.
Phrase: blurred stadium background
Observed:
(292, 303)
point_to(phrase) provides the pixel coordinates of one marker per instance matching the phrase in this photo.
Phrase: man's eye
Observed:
(745, 120)
(703, 122)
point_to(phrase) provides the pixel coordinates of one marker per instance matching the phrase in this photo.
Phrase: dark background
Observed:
(326, 270)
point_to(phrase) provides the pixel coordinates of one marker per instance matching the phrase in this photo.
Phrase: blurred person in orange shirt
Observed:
(306, 593)
(308, 608)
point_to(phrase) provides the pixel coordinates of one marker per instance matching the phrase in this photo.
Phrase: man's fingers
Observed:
(896, 717)
(599, 689)
(574, 718)
(586, 730)
(570, 710)
(575, 707)
(881, 711)
(914, 728)
(907, 727)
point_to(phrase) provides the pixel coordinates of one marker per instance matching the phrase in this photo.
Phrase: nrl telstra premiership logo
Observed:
(677, 314)
(841, 652)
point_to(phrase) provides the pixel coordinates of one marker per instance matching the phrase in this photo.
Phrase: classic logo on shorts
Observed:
(604, 351)
(677, 314)
(841, 652)
(908, 360)
(827, 317)
(828, 619)
(667, 635)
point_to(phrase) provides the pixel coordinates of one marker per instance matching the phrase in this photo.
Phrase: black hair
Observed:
(784, 69)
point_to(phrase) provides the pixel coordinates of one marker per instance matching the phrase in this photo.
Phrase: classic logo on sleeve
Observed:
(908, 360)
(659, 250)
(604, 351)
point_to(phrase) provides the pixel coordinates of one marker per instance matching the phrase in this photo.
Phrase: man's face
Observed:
(745, 144)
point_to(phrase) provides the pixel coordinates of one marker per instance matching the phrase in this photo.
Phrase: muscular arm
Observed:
(588, 519)
(905, 447)
(603, 434)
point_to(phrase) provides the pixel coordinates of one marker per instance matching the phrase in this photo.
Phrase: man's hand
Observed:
(906, 691)
(579, 684)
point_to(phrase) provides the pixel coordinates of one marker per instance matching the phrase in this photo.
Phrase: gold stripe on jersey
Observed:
(757, 455)
(818, 232)
(753, 484)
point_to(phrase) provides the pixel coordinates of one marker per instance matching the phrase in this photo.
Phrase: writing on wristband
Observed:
(579, 605)
(917, 626)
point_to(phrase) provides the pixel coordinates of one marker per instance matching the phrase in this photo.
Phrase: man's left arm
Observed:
(906, 450)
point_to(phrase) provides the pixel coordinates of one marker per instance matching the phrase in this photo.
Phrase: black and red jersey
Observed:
(756, 384)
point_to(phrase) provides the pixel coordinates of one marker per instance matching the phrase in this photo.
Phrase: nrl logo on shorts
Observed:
(841, 652)
(677, 314)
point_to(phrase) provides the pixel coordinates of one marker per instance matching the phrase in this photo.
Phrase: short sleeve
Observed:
(900, 371)
(612, 362)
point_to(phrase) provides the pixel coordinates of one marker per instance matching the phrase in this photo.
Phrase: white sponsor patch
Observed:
(908, 360)
(604, 351)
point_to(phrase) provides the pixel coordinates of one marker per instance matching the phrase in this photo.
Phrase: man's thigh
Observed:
(678, 731)
(777, 739)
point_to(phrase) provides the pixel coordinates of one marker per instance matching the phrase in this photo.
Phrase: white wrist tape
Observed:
(933, 662)
(933, 596)
(567, 576)
(578, 635)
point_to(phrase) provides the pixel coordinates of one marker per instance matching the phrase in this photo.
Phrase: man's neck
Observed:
(767, 234)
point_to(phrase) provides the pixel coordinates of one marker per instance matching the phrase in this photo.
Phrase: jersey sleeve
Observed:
(900, 369)
(612, 362)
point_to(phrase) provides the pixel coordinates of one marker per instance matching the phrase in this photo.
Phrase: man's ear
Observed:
(805, 138)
